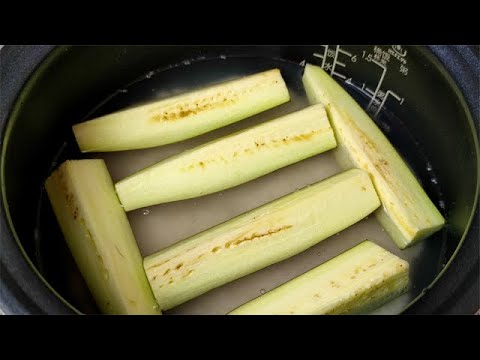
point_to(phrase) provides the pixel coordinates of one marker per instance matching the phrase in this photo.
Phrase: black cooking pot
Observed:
(429, 107)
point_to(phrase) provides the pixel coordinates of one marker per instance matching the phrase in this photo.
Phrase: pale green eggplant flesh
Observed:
(99, 236)
(259, 238)
(231, 160)
(184, 116)
(407, 213)
(355, 282)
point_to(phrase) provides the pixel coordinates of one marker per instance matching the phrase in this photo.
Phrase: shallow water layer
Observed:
(157, 227)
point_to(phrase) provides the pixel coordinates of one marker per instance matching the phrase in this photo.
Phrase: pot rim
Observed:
(43, 58)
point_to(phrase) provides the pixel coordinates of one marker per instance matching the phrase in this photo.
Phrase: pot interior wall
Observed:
(73, 81)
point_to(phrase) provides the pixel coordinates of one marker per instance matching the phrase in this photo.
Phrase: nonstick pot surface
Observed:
(410, 96)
